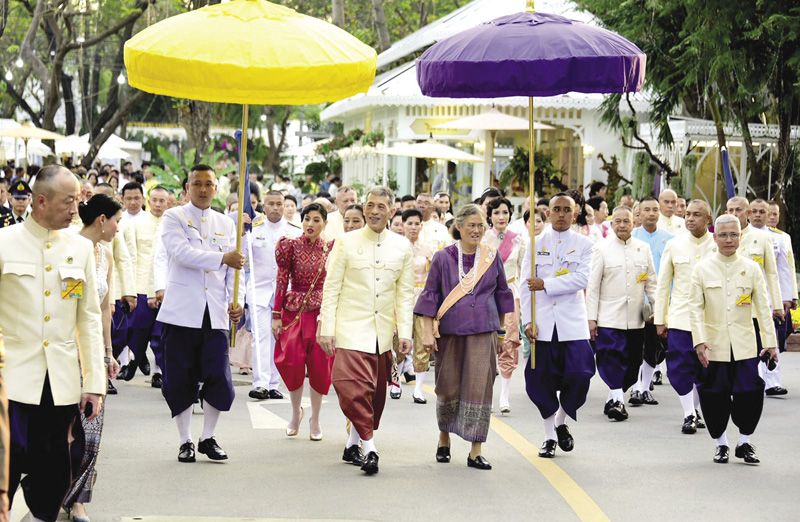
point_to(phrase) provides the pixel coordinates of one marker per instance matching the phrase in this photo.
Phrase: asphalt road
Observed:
(643, 469)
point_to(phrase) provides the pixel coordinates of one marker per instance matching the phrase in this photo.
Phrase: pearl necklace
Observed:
(468, 280)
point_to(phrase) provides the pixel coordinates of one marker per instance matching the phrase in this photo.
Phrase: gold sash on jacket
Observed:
(458, 292)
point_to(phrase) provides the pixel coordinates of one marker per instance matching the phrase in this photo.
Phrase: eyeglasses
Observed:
(729, 235)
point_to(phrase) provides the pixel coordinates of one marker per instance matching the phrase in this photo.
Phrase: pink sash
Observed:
(507, 245)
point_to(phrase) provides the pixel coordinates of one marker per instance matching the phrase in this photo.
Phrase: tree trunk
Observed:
(756, 172)
(113, 122)
(384, 41)
(424, 11)
(69, 104)
(338, 12)
(195, 117)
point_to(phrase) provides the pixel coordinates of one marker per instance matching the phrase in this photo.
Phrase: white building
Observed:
(395, 105)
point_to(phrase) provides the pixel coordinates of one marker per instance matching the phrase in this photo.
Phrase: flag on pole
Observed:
(248, 207)
(726, 173)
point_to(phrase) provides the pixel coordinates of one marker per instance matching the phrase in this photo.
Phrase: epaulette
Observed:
(776, 230)
(259, 220)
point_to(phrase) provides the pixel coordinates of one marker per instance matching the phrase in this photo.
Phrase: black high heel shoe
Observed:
(443, 454)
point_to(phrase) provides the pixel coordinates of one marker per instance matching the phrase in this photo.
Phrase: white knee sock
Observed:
(617, 395)
(210, 418)
(646, 377)
(687, 403)
(550, 427)
(660, 367)
(156, 369)
(354, 438)
(504, 391)
(744, 439)
(125, 356)
(722, 440)
(369, 445)
(184, 422)
(561, 416)
(419, 383)
(696, 399)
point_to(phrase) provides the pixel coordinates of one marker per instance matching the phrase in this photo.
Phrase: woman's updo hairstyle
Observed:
(314, 207)
(98, 205)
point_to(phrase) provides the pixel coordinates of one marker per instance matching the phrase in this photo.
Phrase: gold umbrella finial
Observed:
(529, 6)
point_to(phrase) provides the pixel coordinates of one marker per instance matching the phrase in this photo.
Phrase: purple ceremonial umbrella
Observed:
(530, 54)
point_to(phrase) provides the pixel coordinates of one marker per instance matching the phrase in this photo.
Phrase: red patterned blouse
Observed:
(299, 260)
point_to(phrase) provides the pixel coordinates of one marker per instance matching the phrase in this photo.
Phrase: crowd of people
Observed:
(363, 292)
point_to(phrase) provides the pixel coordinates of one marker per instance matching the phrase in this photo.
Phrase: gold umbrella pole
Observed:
(531, 221)
(240, 210)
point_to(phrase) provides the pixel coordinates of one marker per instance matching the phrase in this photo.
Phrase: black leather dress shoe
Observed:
(443, 454)
(775, 391)
(211, 449)
(259, 393)
(418, 400)
(635, 398)
(156, 381)
(144, 366)
(698, 420)
(370, 465)
(478, 463)
(721, 455)
(110, 389)
(548, 449)
(353, 455)
(689, 425)
(127, 372)
(657, 379)
(186, 452)
(648, 399)
(122, 370)
(410, 377)
(396, 394)
(607, 407)
(565, 440)
(747, 452)
(617, 412)
(275, 394)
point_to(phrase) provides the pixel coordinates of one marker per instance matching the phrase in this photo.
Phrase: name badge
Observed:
(71, 289)
(562, 271)
(642, 278)
(545, 253)
(744, 300)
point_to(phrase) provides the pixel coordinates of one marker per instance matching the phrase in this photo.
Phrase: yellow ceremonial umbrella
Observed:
(250, 52)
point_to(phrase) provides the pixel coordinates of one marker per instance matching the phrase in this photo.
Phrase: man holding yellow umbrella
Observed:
(251, 52)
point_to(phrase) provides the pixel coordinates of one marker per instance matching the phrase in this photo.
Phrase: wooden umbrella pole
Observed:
(240, 210)
(531, 221)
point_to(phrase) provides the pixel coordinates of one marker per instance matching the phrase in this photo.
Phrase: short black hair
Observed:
(490, 192)
(408, 214)
(595, 202)
(595, 187)
(407, 197)
(543, 201)
(314, 207)
(132, 185)
(648, 197)
(290, 198)
(495, 204)
(201, 166)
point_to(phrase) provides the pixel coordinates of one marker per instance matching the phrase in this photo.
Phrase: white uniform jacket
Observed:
(563, 261)
(622, 274)
(195, 241)
(264, 269)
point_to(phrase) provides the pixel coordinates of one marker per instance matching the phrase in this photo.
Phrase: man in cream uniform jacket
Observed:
(728, 289)
(622, 275)
(671, 310)
(268, 228)
(144, 329)
(773, 220)
(668, 221)
(368, 295)
(334, 228)
(433, 233)
(54, 345)
(787, 282)
(198, 304)
(563, 355)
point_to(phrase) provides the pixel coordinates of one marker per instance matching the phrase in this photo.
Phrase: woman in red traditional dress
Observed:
(301, 261)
